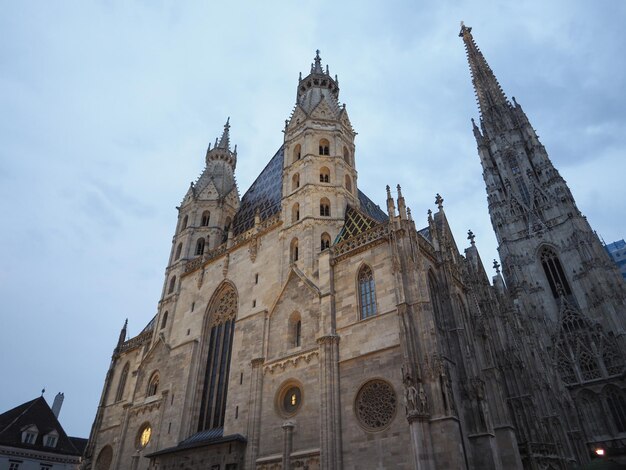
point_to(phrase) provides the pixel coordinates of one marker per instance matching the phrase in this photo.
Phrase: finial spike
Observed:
(317, 66)
(496, 266)
(439, 201)
(470, 237)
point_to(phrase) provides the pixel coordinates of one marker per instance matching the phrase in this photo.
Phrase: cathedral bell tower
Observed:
(556, 270)
(319, 177)
(204, 216)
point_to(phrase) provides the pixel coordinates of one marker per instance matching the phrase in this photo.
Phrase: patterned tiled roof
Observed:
(372, 209)
(264, 194)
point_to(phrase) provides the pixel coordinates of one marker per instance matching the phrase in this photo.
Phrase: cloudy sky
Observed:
(106, 110)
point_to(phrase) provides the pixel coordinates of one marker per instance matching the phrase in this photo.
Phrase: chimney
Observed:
(56, 406)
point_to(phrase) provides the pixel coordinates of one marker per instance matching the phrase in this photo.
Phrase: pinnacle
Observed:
(224, 142)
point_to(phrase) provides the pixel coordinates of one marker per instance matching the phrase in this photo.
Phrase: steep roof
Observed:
(35, 412)
(264, 194)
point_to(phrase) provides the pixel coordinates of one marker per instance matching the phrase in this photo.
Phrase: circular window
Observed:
(144, 435)
(375, 405)
(289, 399)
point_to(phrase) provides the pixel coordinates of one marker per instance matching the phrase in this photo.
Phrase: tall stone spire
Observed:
(224, 142)
(488, 91)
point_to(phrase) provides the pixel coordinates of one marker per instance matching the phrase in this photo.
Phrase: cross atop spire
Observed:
(486, 86)
(224, 142)
(316, 67)
(471, 236)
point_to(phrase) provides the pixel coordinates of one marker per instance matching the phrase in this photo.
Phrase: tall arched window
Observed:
(206, 216)
(297, 153)
(554, 272)
(367, 292)
(348, 183)
(293, 250)
(324, 147)
(164, 320)
(295, 212)
(200, 246)
(295, 181)
(295, 329)
(591, 413)
(179, 249)
(122, 383)
(346, 155)
(616, 404)
(325, 241)
(324, 207)
(324, 175)
(183, 226)
(153, 384)
(433, 290)
(218, 348)
(172, 285)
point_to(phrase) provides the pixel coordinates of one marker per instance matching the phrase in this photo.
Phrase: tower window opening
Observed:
(179, 249)
(348, 183)
(200, 246)
(324, 207)
(554, 272)
(346, 155)
(324, 147)
(298, 334)
(293, 251)
(367, 292)
(172, 285)
(295, 182)
(297, 153)
(324, 175)
(295, 212)
(183, 226)
(164, 320)
(206, 216)
(325, 241)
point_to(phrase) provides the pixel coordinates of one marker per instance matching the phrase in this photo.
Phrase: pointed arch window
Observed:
(554, 272)
(206, 217)
(295, 212)
(293, 251)
(218, 349)
(367, 292)
(295, 329)
(185, 221)
(591, 413)
(122, 383)
(324, 175)
(297, 153)
(153, 384)
(164, 320)
(324, 147)
(172, 285)
(325, 241)
(346, 155)
(200, 246)
(324, 207)
(295, 182)
(433, 290)
(348, 183)
(179, 249)
(616, 403)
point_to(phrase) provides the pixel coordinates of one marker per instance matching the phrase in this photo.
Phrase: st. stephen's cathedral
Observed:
(302, 327)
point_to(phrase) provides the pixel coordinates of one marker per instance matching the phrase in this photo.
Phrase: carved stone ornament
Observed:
(375, 405)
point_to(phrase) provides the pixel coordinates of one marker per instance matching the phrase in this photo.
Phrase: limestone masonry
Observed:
(300, 326)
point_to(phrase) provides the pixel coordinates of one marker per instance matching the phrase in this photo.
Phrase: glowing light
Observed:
(599, 452)
(145, 436)
(293, 399)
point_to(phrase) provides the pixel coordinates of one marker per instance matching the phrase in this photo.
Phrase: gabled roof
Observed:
(264, 195)
(201, 439)
(35, 412)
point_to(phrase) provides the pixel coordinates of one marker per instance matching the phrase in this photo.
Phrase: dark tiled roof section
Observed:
(200, 439)
(35, 412)
(425, 232)
(264, 194)
(80, 443)
(372, 209)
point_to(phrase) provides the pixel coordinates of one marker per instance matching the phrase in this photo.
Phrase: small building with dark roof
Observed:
(31, 437)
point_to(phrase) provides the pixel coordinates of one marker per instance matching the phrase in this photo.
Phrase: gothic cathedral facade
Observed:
(301, 326)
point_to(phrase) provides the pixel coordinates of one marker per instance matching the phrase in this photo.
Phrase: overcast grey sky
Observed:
(106, 110)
